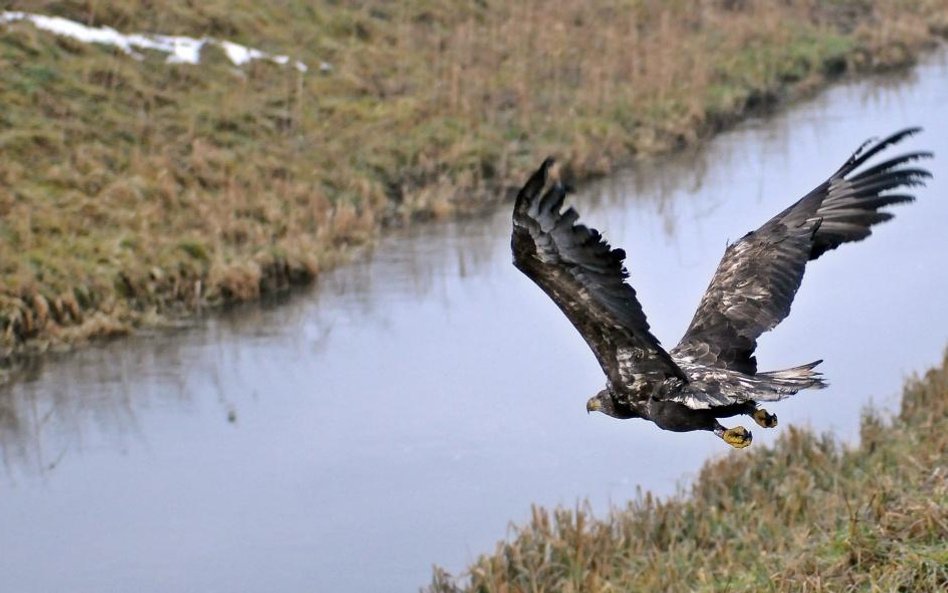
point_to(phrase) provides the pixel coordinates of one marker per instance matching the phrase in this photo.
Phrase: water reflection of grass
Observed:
(133, 188)
(807, 514)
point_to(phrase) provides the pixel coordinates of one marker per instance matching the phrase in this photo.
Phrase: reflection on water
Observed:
(404, 410)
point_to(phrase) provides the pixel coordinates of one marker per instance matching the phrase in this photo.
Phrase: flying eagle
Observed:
(712, 372)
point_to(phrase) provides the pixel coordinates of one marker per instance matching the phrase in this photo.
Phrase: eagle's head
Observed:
(605, 403)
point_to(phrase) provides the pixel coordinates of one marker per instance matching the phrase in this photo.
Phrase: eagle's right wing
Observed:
(586, 278)
(755, 283)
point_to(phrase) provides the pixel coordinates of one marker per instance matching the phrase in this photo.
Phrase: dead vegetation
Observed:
(808, 514)
(132, 191)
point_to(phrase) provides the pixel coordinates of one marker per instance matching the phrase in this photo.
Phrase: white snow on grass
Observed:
(179, 49)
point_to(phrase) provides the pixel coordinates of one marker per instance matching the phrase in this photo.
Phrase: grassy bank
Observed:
(807, 514)
(135, 190)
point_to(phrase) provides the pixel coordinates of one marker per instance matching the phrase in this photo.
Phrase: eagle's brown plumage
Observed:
(712, 372)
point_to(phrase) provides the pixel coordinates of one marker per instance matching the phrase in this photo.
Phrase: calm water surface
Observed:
(409, 407)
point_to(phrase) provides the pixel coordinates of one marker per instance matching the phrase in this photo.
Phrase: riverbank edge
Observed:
(807, 514)
(45, 326)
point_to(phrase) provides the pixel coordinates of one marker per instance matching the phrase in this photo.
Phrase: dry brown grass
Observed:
(139, 189)
(807, 514)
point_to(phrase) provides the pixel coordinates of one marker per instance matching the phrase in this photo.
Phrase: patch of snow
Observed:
(181, 50)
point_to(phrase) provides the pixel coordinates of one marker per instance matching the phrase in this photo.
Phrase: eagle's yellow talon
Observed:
(737, 437)
(764, 418)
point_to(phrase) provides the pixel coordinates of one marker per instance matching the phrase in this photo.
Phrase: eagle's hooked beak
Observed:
(593, 405)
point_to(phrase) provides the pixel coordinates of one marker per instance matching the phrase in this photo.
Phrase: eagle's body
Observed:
(712, 372)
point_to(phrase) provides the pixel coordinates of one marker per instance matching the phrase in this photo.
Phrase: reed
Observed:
(139, 190)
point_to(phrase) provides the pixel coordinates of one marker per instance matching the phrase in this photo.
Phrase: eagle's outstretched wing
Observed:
(586, 279)
(759, 275)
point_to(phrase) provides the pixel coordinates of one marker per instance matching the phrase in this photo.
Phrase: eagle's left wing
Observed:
(586, 278)
(759, 275)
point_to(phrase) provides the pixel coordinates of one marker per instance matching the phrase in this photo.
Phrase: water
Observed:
(407, 408)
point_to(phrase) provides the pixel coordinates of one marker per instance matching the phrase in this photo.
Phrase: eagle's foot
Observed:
(764, 419)
(737, 437)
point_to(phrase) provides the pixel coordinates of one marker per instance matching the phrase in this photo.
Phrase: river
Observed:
(407, 408)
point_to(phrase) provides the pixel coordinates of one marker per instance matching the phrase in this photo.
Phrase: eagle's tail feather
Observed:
(789, 381)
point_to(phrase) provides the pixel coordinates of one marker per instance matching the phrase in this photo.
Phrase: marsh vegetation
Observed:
(134, 191)
(806, 514)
